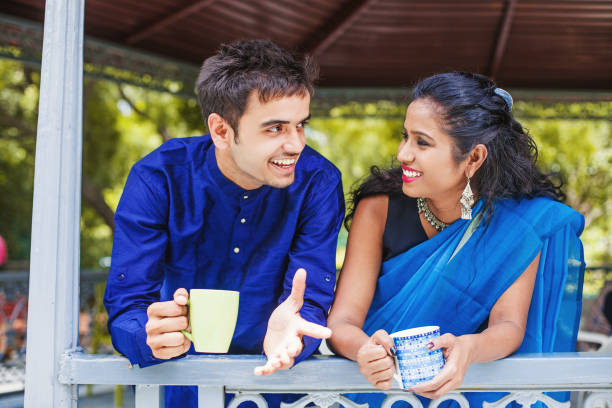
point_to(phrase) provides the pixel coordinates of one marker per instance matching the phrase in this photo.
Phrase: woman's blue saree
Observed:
(426, 285)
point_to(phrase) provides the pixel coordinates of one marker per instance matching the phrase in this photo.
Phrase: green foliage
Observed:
(18, 102)
(581, 151)
(122, 123)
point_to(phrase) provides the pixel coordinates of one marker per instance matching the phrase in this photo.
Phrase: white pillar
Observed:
(54, 258)
(149, 396)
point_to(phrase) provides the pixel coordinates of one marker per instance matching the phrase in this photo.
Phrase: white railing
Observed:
(324, 379)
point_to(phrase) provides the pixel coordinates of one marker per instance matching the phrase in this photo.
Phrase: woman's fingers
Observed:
(449, 386)
(445, 341)
(383, 375)
(371, 352)
(447, 374)
(385, 385)
(382, 337)
(382, 364)
(440, 391)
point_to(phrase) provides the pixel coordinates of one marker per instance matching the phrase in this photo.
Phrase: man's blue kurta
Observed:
(181, 223)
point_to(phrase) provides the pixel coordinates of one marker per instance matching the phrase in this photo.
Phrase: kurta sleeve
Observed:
(314, 249)
(137, 263)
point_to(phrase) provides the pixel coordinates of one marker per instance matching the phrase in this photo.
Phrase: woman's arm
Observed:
(355, 291)
(357, 280)
(507, 323)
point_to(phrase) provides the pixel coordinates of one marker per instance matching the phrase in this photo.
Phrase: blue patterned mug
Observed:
(414, 363)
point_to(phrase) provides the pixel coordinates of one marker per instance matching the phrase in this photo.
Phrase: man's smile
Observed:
(284, 164)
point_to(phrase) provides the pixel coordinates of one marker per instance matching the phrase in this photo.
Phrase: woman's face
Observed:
(426, 155)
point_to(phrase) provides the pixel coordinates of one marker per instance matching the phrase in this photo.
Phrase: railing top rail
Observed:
(559, 371)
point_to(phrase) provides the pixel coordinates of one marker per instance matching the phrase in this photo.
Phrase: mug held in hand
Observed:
(212, 317)
(414, 363)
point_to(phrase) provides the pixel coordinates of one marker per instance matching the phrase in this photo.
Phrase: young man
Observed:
(242, 209)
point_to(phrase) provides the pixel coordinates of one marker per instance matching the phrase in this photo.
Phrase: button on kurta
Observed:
(245, 196)
(243, 220)
(236, 250)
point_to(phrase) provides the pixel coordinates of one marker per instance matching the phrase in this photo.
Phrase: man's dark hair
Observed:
(228, 77)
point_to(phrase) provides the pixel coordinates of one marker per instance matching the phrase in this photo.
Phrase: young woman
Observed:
(467, 235)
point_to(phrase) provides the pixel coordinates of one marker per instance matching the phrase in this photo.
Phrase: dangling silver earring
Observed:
(467, 200)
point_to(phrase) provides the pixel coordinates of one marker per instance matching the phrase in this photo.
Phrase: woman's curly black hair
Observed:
(472, 114)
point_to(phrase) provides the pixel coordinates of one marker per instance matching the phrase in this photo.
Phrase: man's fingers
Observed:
(298, 287)
(285, 360)
(295, 347)
(166, 309)
(166, 325)
(169, 352)
(271, 365)
(180, 296)
(306, 328)
(173, 339)
(266, 369)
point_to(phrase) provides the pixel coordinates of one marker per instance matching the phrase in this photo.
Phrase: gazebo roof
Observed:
(537, 44)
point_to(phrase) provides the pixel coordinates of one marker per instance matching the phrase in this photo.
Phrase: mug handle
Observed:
(185, 332)
(396, 375)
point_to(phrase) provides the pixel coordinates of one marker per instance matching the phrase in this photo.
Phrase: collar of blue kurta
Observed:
(229, 188)
(424, 286)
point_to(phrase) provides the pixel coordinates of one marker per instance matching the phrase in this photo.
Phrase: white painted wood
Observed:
(239, 398)
(54, 259)
(149, 396)
(409, 398)
(599, 400)
(542, 372)
(323, 400)
(451, 396)
(525, 399)
(211, 397)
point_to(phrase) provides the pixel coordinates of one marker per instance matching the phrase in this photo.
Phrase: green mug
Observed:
(212, 316)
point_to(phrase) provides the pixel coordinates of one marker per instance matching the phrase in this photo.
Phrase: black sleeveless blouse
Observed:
(403, 230)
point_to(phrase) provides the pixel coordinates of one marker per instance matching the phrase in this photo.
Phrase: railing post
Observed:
(211, 397)
(149, 396)
(54, 258)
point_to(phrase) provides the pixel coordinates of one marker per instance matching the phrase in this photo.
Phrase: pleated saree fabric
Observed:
(430, 284)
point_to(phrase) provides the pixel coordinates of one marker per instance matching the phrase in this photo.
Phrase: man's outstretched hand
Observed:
(283, 341)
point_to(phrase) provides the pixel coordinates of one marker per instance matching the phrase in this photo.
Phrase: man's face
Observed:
(270, 140)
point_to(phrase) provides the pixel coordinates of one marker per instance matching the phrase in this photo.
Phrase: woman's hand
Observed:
(458, 353)
(375, 361)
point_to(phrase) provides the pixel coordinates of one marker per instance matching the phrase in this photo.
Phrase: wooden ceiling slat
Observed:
(502, 39)
(116, 11)
(250, 25)
(321, 12)
(272, 21)
(291, 14)
(562, 44)
(165, 21)
(336, 26)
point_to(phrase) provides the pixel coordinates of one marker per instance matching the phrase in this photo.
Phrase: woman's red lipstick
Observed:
(409, 178)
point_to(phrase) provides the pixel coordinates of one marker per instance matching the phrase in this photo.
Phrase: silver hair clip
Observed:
(505, 96)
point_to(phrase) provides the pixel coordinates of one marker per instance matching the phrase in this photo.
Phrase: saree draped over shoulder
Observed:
(427, 285)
